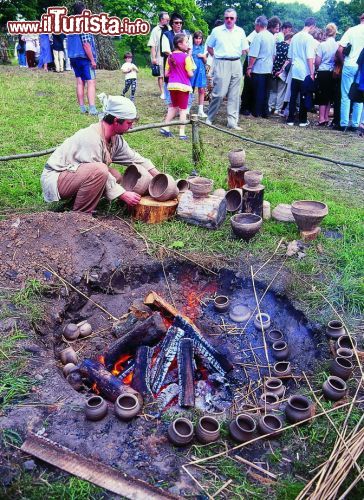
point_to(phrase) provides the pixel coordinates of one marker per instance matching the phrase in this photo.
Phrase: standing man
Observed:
(226, 44)
(301, 54)
(31, 43)
(82, 53)
(355, 37)
(154, 43)
(58, 52)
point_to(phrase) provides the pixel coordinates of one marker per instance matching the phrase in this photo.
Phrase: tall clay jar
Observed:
(95, 408)
(237, 158)
(180, 432)
(243, 428)
(334, 388)
(335, 329)
(207, 430)
(341, 367)
(298, 408)
(127, 406)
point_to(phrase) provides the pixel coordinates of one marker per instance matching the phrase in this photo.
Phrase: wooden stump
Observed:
(152, 211)
(209, 212)
(236, 177)
(253, 200)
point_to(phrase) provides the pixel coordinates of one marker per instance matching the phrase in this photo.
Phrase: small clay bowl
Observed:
(346, 341)
(280, 350)
(222, 303)
(268, 400)
(68, 355)
(84, 328)
(308, 214)
(246, 225)
(344, 352)
(242, 428)
(69, 368)
(282, 369)
(335, 329)
(265, 323)
(71, 332)
(270, 425)
(234, 199)
(95, 408)
(298, 408)
(200, 186)
(127, 406)
(237, 157)
(207, 430)
(341, 367)
(253, 177)
(180, 432)
(274, 336)
(239, 313)
(183, 185)
(334, 388)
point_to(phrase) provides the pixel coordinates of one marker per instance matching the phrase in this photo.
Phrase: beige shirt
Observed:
(88, 146)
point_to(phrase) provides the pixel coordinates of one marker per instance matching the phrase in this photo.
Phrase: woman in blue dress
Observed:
(199, 79)
(45, 56)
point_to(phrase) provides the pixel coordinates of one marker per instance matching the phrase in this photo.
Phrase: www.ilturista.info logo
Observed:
(57, 21)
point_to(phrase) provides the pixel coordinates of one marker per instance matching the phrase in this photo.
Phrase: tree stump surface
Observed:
(152, 211)
(253, 200)
(236, 177)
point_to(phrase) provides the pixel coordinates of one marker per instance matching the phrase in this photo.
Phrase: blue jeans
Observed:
(347, 79)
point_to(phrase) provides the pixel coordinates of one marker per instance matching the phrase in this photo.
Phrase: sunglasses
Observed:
(230, 18)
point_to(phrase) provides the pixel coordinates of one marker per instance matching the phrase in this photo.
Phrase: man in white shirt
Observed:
(155, 46)
(302, 55)
(31, 45)
(227, 43)
(354, 36)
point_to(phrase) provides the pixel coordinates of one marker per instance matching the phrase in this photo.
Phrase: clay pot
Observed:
(341, 367)
(127, 406)
(68, 355)
(334, 388)
(220, 193)
(274, 336)
(343, 352)
(180, 432)
(95, 408)
(298, 408)
(222, 303)
(163, 187)
(270, 425)
(246, 226)
(265, 323)
(75, 380)
(84, 328)
(268, 400)
(282, 369)
(70, 331)
(280, 350)
(136, 179)
(346, 342)
(234, 199)
(275, 386)
(242, 428)
(183, 185)
(201, 186)
(335, 329)
(237, 158)
(69, 368)
(253, 177)
(207, 430)
(308, 214)
(239, 313)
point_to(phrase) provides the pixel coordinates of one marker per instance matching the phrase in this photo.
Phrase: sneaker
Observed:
(202, 114)
(290, 124)
(166, 133)
(236, 127)
(352, 129)
(183, 138)
(83, 109)
(208, 122)
(162, 96)
(304, 124)
(93, 110)
(277, 112)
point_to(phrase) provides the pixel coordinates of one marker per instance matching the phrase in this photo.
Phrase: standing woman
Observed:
(199, 79)
(45, 56)
(324, 62)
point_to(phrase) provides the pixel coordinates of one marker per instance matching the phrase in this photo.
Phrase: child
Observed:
(130, 71)
(179, 71)
(199, 76)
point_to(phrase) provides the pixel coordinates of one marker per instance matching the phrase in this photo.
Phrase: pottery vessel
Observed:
(346, 342)
(163, 187)
(242, 428)
(280, 350)
(71, 332)
(343, 352)
(274, 336)
(335, 329)
(180, 431)
(253, 177)
(270, 425)
(221, 303)
(234, 199)
(68, 355)
(201, 186)
(341, 367)
(84, 328)
(75, 380)
(274, 385)
(220, 193)
(237, 157)
(298, 408)
(262, 320)
(268, 401)
(69, 368)
(136, 179)
(207, 430)
(95, 408)
(183, 185)
(239, 313)
(308, 214)
(282, 369)
(127, 406)
(334, 388)
(246, 226)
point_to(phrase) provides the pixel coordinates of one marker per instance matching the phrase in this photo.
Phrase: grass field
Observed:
(39, 110)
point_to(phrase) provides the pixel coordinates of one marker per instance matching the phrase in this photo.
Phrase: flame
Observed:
(127, 380)
(194, 293)
(95, 388)
(102, 360)
(119, 365)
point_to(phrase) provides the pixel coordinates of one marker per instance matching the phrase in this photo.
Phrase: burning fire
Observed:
(119, 365)
(193, 293)
(95, 389)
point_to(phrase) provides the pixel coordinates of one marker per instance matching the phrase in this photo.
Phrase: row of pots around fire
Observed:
(308, 214)
(243, 427)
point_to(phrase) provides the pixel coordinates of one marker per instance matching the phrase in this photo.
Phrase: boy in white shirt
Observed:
(130, 71)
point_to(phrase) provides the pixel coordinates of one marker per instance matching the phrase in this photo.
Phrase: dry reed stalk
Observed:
(184, 467)
(254, 466)
(169, 288)
(270, 258)
(223, 487)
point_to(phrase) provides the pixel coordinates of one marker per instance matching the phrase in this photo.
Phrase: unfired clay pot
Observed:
(298, 408)
(183, 185)
(282, 368)
(280, 350)
(234, 199)
(239, 313)
(341, 367)
(274, 336)
(346, 341)
(84, 328)
(180, 432)
(245, 225)
(136, 179)
(265, 323)
(268, 401)
(200, 186)
(207, 430)
(221, 303)
(127, 406)
(163, 188)
(69, 368)
(237, 158)
(308, 214)
(270, 425)
(334, 388)
(75, 380)
(344, 352)
(70, 331)
(95, 408)
(68, 355)
(242, 428)
(253, 177)
(335, 329)
(274, 385)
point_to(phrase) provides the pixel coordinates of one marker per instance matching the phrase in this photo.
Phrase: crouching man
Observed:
(80, 167)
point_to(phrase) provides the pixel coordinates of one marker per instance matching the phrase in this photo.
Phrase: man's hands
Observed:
(93, 64)
(130, 198)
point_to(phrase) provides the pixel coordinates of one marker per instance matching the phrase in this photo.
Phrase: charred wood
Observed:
(186, 376)
(129, 368)
(141, 375)
(155, 301)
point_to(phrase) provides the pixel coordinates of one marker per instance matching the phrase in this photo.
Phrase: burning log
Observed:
(141, 376)
(128, 370)
(168, 351)
(108, 385)
(186, 377)
(211, 358)
(147, 332)
(157, 302)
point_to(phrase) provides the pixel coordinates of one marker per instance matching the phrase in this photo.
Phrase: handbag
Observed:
(156, 70)
(355, 94)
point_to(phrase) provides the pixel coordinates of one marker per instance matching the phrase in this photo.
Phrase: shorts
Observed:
(82, 68)
(179, 99)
